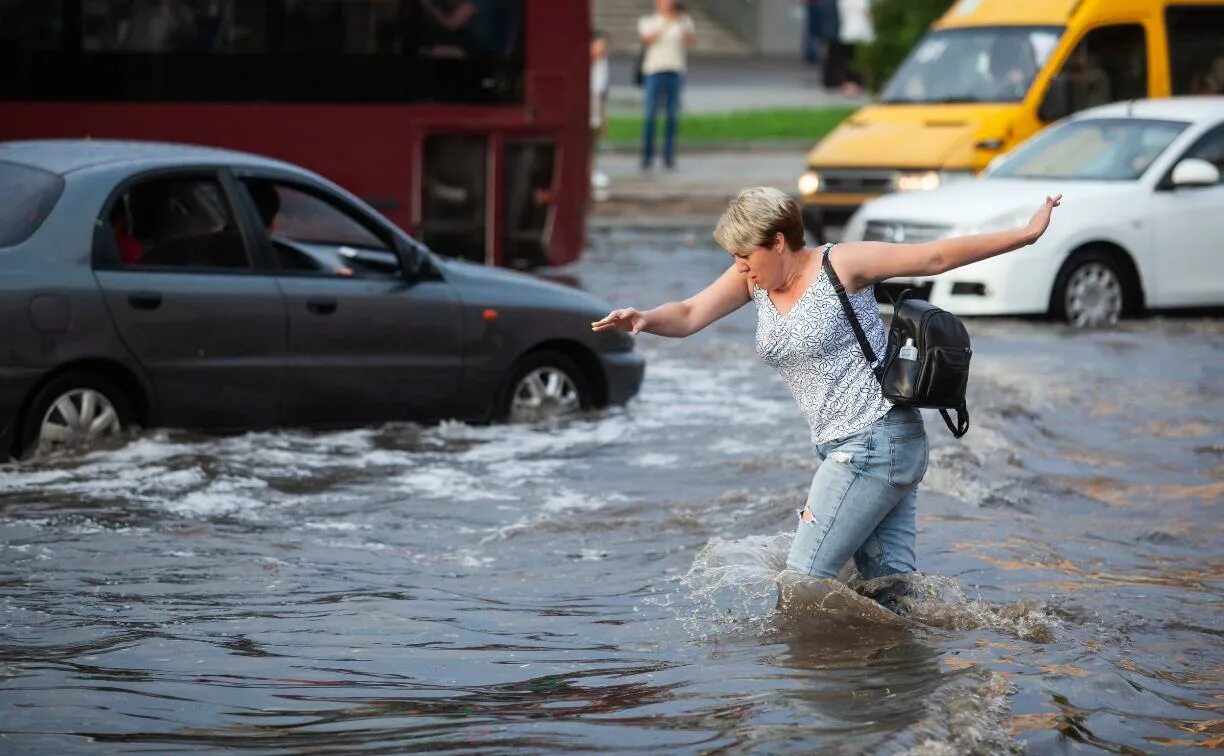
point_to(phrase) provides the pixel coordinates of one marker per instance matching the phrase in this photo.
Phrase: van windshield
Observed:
(1092, 149)
(979, 64)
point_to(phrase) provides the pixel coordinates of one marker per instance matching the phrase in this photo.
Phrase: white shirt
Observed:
(599, 91)
(854, 18)
(667, 52)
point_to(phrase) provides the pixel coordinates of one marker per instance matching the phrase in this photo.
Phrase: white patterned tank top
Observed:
(815, 350)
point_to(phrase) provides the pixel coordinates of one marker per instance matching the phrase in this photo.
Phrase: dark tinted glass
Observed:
(1196, 49)
(177, 222)
(528, 181)
(455, 195)
(263, 50)
(1108, 64)
(29, 194)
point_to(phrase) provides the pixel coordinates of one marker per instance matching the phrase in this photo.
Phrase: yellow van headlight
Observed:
(809, 183)
(923, 181)
(919, 181)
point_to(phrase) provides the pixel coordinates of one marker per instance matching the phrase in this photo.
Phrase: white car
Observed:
(1141, 224)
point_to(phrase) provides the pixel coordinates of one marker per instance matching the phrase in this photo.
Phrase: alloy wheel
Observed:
(543, 393)
(1094, 296)
(77, 418)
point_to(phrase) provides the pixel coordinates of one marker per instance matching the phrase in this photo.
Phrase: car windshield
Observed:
(981, 64)
(29, 194)
(1096, 149)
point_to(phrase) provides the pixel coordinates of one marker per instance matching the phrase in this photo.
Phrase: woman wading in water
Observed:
(862, 501)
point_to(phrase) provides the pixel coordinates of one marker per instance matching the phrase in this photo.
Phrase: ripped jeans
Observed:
(863, 499)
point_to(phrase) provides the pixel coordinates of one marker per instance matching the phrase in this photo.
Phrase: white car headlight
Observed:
(809, 183)
(1009, 220)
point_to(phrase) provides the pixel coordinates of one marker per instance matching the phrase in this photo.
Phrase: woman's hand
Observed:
(1041, 219)
(627, 319)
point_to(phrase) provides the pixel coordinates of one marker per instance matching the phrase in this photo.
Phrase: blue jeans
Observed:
(663, 86)
(863, 499)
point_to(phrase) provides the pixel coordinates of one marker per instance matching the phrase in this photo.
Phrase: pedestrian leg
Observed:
(674, 82)
(650, 97)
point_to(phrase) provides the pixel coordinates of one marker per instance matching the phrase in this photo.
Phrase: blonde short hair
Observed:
(756, 216)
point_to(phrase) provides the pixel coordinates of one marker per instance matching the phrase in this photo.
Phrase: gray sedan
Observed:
(166, 285)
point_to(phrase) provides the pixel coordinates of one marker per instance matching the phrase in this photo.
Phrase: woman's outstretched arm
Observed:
(727, 294)
(860, 264)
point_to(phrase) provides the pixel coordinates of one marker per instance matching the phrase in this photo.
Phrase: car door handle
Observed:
(321, 306)
(145, 300)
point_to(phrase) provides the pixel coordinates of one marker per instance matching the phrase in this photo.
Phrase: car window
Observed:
(1097, 149)
(29, 194)
(1210, 148)
(176, 222)
(1196, 48)
(1107, 65)
(314, 234)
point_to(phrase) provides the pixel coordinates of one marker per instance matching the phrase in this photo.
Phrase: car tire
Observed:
(100, 406)
(544, 385)
(1094, 289)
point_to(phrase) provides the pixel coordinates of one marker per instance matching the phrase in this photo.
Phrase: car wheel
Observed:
(74, 410)
(542, 386)
(1092, 291)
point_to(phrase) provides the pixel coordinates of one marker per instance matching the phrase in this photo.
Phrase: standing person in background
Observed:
(855, 27)
(599, 105)
(666, 35)
(820, 30)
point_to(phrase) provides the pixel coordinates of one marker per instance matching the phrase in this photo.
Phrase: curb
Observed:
(760, 145)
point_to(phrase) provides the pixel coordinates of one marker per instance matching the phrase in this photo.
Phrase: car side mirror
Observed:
(1195, 172)
(1057, 101)
(413, 260)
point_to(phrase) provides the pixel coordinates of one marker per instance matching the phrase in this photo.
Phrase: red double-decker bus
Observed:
(464, 121)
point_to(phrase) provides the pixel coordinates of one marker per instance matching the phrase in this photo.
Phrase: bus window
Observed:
(455, 196)
(329, 51)
(1196, 49)
(528, 185)
(1108, 64)
(173, 26)
(32, 24)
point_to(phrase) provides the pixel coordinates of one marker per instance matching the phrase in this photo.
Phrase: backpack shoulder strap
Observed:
(868, 352)
(962, 421)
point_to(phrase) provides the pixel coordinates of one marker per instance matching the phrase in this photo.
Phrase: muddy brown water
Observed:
(608, 583)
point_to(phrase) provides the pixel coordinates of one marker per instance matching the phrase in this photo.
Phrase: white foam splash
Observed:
(747, 580)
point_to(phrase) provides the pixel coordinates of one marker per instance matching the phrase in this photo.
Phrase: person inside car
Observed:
(268, 204)
(130, 248)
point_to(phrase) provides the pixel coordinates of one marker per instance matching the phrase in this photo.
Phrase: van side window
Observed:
(1108, 64)
(1196, 49)
(176, 222)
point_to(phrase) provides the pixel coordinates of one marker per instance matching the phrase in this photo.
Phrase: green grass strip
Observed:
(740, 126)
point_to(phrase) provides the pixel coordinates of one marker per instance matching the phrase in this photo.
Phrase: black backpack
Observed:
(934, 369)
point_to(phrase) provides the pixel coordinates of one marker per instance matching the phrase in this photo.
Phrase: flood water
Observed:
(609, 582)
